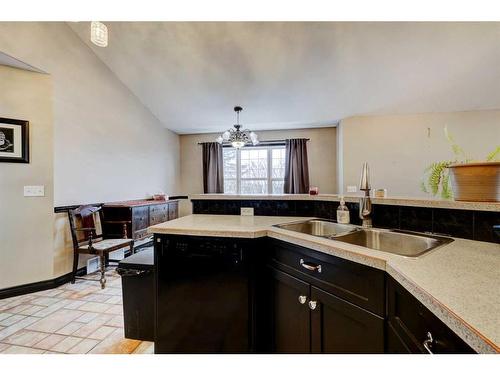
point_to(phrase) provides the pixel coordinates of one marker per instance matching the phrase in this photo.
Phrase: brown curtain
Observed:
(213, 176)
(296, 167)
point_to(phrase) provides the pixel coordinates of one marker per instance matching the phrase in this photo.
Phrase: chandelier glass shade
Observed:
(237, 137)
(99, 34)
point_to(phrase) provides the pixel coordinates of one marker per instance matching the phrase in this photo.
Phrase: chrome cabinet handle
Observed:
(428, 343)
(302, 299)
(310, 266)
(312, 305)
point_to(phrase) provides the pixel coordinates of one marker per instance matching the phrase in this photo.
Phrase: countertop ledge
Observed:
(391, 200)
(471, 310)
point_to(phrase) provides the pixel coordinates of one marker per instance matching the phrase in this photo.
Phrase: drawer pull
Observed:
(302, 299)
(428, 343)
(311, 266)
(312, 305)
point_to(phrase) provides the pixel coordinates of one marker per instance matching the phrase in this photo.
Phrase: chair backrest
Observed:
(86, 216)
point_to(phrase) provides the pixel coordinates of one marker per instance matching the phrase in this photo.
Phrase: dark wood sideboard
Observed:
(139, 215)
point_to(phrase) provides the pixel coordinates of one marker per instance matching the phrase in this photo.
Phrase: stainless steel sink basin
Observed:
(394, 241)
(319, 228)
(409, 244)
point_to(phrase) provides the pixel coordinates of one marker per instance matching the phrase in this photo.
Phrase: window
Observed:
(254, 170)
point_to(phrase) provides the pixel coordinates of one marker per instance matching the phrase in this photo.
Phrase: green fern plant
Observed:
(494, 155)
(436, 179)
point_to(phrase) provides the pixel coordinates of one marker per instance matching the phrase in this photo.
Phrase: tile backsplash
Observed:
(476, 225)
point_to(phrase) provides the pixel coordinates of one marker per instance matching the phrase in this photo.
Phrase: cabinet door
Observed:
(338, 326)
(394, 343)
(173, 210)
(290, 314)
(415, 324)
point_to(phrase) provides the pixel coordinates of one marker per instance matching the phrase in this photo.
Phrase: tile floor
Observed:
(73, 318)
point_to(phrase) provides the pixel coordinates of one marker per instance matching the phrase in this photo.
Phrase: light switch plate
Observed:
(246, 211)
(34, 191)
(352, 188)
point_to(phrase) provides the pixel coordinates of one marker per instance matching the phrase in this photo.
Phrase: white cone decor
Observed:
(99, 34)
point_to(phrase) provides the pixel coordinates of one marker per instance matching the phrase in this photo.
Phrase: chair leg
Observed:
(75, 266)
(103, 270)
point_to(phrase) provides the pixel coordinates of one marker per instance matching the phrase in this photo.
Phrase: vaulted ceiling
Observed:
(295, 75)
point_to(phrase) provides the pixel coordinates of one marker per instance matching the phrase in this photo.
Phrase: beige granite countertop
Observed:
(221, 225)
(391, 200)
(458, 282)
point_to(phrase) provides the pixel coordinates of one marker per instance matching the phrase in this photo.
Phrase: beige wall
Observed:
(26, 244)
(106, 144)
(104, 138)
(321, 153)
(399, 148)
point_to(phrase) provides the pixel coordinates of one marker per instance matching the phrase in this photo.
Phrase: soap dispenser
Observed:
(343, 213)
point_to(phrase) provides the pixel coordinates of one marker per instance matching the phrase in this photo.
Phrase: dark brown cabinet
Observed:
(338, 326)
(290, 314)
(412, 328)
(356, 283)
(307, 311)
(139, 215)
(269, 296)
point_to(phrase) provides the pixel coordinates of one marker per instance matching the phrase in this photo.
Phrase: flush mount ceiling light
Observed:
(99, 34)
(238, 138)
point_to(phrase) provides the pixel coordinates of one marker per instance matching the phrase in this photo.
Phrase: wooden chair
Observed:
(83, 224)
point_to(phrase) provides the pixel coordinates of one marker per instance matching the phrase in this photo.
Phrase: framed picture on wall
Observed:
(14, 141)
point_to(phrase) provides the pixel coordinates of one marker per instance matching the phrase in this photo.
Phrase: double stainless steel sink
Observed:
(319, 228)
(409, 244)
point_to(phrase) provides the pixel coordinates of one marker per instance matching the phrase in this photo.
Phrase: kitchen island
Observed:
(457, 282)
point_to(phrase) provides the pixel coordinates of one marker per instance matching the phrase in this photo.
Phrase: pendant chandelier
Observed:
(238, 138)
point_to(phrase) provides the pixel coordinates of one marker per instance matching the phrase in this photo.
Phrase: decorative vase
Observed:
(477, 182)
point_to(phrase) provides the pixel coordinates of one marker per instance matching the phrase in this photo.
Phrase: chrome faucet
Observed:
(365, 204)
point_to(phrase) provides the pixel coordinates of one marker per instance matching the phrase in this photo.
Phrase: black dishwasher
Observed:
(203, 295)
(138, 290)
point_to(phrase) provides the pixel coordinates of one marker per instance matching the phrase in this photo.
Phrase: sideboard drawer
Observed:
(140, 217)
(173, 210)
(158, 213)
(140, 234)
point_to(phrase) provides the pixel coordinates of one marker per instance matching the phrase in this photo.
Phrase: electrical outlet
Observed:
(246, 211)
(352, 188)
(34, 191)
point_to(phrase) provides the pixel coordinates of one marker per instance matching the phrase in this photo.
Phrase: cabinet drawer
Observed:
(158, 213)
(173, 210)
(359, 284)
(412, 322)
(140, 234)
(140, 217)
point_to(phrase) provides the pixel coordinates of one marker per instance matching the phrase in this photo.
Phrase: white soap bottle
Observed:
(343, 213)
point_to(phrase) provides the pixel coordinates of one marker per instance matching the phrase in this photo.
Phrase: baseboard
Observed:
(18, 290)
